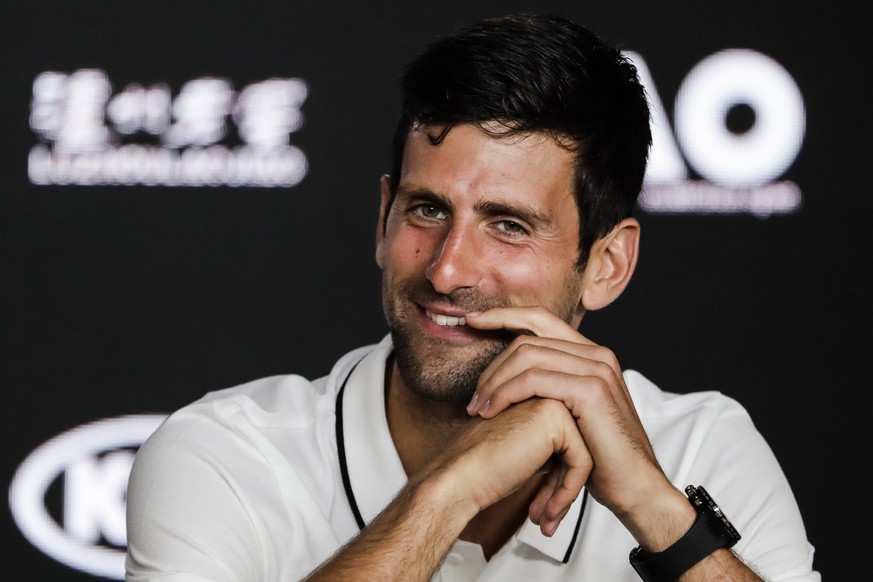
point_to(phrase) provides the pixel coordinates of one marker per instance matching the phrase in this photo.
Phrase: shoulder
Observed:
(684, 426)
(652, 402)
(690, 418)
(288, 401)
(229, 482)
(703, 437)
(252, 428)
(249, 419)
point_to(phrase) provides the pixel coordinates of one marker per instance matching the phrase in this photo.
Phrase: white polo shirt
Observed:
(266, 480)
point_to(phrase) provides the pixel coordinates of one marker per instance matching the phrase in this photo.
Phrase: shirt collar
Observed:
(374, 468)
(375, 471)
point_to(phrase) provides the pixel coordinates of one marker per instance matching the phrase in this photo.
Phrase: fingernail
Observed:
(473, 314)
(485, 408)
(473, 402)
(551, 528)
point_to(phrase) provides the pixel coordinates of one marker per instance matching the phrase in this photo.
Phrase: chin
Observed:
(435, 373)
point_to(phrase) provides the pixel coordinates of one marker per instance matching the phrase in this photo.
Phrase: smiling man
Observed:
(485, 438)
(477, 222)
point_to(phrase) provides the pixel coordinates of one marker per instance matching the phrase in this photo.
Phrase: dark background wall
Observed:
(121, 300)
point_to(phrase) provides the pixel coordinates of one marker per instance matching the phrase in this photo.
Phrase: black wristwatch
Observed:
(711, 530)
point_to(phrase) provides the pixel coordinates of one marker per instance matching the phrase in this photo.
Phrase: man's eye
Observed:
(510, 227)
(430, 211)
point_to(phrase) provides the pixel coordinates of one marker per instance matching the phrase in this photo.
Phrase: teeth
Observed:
(446, 320)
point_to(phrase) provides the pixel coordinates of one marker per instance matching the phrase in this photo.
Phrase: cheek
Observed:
(405, 253)
(402, 254)
(531, 280)
(520, 276)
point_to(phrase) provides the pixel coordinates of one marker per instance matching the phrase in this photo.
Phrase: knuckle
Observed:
(532, 376)
(529, 349)
(613, 360)
(604, 371)
(525, 346)
(521, 341)
(600, 390)
(608, 357)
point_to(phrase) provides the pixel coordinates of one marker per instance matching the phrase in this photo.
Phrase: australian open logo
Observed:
(738, 123)
(68, 497)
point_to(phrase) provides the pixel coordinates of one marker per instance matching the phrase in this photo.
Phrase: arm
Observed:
(407, 541)
(410, 538)
(557, 362)
(206, 500)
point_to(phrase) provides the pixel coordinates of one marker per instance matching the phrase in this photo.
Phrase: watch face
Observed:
(703, 502)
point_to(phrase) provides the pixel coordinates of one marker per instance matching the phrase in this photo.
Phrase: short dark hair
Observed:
(546, 74)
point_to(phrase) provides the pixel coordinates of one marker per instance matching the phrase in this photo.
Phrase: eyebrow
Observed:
(525, 212)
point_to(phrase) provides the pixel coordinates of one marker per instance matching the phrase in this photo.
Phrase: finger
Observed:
(549, 354)
(540, 512)
(534, 383)
(604, 416)
(527, 342)
(536, 320)
(537, 508)
(522, 366)
(564, 483)
(550, 526)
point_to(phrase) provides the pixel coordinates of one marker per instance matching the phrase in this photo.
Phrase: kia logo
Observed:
(95, 461)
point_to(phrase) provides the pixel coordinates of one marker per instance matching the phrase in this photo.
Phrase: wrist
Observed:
(443, 493)
(662, 521)
(710, 532)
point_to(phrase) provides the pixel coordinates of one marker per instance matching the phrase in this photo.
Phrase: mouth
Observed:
(445, 320)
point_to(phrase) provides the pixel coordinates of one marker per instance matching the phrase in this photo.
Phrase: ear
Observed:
(611, 264)
(385, 184)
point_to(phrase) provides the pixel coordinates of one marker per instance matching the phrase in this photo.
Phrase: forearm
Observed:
(408, 539)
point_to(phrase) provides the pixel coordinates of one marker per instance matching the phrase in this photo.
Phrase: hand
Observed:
(492, 459)
(557, 362)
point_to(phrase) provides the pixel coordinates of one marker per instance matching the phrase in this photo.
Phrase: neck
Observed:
(422, 429)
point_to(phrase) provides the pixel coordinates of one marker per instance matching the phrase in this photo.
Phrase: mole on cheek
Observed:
(417, 252)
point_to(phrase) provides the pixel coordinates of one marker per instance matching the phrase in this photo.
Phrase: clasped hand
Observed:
(558, 396)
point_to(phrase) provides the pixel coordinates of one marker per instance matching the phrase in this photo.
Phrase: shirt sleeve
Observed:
(212, 497)
(187, 515)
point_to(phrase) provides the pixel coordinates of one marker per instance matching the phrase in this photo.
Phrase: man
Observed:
(485, 438)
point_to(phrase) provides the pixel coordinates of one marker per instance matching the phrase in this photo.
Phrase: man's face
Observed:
(478, 222)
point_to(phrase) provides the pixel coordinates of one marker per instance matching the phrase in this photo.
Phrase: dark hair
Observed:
(547, 74)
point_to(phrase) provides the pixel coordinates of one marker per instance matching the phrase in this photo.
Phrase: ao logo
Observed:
(741, 160)
(95, 461)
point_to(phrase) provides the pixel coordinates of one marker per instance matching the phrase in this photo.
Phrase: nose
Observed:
(457, 262)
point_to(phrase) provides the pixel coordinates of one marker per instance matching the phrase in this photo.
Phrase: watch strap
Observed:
(710, 532)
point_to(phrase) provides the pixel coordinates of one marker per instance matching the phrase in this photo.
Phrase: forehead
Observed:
(481, 164)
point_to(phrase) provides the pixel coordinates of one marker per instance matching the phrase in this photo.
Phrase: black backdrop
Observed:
(130, 299)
